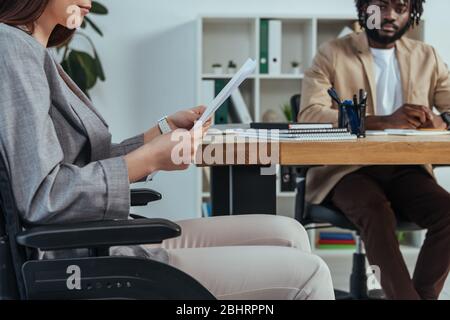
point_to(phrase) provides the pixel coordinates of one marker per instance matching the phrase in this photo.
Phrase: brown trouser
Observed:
(369, 198)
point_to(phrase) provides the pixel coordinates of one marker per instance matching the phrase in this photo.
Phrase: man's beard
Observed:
(375, 35)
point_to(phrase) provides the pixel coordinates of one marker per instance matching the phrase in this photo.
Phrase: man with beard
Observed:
(405, 79)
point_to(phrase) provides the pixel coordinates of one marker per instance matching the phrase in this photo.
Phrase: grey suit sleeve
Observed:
(46, 188)
(127, 146)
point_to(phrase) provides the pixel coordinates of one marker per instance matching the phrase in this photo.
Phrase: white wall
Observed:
(150, 60)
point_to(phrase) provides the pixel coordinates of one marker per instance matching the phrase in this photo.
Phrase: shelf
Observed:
(274, 94)
(298, 40)
(212, 76)
(282, 76)
(406, 250)
(286, 194)
(329, 29)
(219, 35)
(222, 76)
(223, 38)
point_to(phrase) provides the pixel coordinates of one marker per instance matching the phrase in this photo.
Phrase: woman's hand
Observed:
(181, 120)
(173, 151)
(185, 119)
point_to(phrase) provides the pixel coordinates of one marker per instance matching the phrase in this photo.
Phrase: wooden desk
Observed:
(374, 150)
(241, 189)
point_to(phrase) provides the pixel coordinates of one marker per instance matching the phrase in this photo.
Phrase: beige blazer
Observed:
(347, 65)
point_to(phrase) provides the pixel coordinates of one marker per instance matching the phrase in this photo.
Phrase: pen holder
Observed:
(351, 113)
(353, 116)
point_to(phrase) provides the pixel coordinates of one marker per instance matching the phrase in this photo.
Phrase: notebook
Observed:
(300, 135)
(286, 126)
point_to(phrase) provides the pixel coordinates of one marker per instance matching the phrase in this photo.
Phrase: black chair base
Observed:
(358, 283)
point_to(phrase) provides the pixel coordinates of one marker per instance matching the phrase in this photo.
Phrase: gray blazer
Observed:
(56, 146)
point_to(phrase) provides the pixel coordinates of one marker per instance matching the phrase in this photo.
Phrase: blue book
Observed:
(206, 209)
(336, 236)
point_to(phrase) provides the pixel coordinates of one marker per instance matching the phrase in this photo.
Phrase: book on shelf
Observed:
(275, 46)
(335, 246)
(206, 210)
(240, 110)
(206, 179)
(221, 115)
(207, 174)
(264, 47)
(336, 240)
(336, 236)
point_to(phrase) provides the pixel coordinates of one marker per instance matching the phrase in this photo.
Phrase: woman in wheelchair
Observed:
(64, 169)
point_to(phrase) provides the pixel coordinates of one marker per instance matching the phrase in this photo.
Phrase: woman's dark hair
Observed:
(416, 11)
(25, 13)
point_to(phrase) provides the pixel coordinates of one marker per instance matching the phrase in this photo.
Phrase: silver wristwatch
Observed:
(164, 126)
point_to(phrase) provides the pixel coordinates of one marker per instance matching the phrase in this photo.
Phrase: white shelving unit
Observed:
(237, 38)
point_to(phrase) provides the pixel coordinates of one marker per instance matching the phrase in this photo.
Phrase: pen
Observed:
(334, 95)
(356, 107)
(351, 115)
(363, 109)
(341, 112)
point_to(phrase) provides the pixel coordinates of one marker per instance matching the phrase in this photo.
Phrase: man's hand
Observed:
(409, 116)
(436, 122)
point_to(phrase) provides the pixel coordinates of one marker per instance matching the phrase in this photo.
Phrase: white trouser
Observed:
(250, 257)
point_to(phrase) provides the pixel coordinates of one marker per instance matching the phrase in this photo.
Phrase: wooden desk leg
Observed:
(251, 192)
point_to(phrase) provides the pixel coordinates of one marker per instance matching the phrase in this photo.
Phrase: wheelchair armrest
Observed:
(99, 234)
(142, 197)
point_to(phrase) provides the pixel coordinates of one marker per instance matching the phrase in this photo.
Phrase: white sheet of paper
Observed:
(247, 69)
(406, 132)
(376, 133)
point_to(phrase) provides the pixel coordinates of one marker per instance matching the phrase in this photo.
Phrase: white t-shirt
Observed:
(388, 81)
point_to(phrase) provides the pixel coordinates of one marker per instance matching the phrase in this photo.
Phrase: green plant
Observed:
(287, 111)
(81, 66)
(401, 236)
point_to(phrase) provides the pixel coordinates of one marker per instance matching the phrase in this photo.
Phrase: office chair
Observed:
(23, 276)
(311, 214)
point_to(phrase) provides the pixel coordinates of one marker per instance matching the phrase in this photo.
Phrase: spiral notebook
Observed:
(306, 135)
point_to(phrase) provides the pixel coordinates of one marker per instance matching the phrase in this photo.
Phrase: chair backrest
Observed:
(295, 106)
(12, 256)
